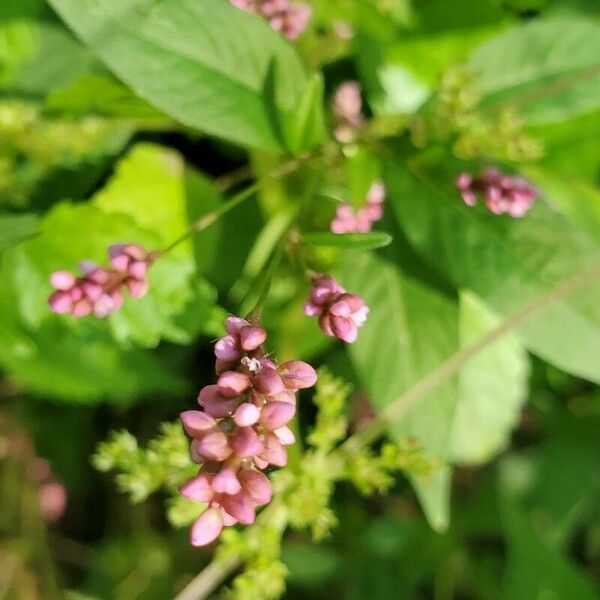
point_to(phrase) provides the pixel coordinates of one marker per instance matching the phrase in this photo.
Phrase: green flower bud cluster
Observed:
(32, 144)
(164, 463)
(259, 547)
(454, 116)
(372, 471)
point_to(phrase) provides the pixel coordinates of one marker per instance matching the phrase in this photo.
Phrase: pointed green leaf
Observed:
(351, 241)
(207, 64)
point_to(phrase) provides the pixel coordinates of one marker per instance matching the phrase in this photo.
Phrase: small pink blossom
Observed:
(361, 221)
(290, 19)
(340, 314)
(241, 429)
(99, 290)
(346, 107)
(502, 194)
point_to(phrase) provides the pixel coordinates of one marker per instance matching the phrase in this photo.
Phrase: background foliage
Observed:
(129, 120)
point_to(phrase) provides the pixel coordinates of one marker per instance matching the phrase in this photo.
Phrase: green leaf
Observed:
(148, 185)
(351, 241)
(206, 64)
(101, 94)
(15, 228)
(579, 201)
(43, 56)
(305, 127)
(410, 331)
(506, 262)
(492, 387)
(548, 69)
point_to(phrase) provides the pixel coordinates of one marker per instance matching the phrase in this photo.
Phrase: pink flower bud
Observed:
(60, 302)
(268, 382)
(62, 280)
(52, 499)
(274, 453)
(196, 422)
(257, 485)
(344, 329)
(246, 443)
(214, 403)
(137, 287)
(232, 383)
(199, 488)
(214, 446)
(227, 348)
(240, 507)
(285, 435)
(252, 337)
(207, 527)
(226, 482)
(233, 325)
(297, 375)
(247, 414)
(276, 414)
(82, 308)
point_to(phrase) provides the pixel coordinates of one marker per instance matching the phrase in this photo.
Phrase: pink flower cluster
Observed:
(241, 430)
(361, 221)
(99, 290)
(501, 193)
(340, 314)
(283, 16)
(346, 107)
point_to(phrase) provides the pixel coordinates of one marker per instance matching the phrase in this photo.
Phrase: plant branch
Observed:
(209, 578)
(220, 569)
(226, 182)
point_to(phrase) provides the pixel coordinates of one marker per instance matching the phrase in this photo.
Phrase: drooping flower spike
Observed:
(346, 107)
(502, 194)
(340, 314)
(289, 18)
(99, 290)
(241, 429)
(348, 221)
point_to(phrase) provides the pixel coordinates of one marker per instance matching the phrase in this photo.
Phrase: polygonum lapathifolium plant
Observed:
(242, 429)
(99, 290)
(501, 193)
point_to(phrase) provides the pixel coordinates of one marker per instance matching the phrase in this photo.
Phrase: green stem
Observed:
(208, 219)
(266, 279)
(227, 181)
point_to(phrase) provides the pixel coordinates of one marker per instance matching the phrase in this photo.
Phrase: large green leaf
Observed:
(549, 69)
(507, 262)
(206, 64)
(410, 331)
